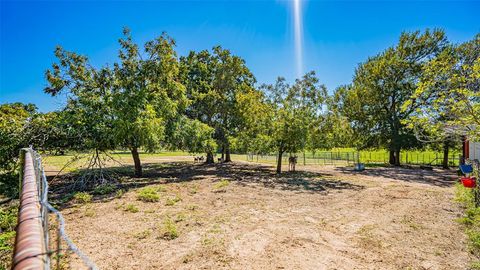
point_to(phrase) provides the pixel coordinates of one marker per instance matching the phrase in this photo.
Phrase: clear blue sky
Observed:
(337, 35)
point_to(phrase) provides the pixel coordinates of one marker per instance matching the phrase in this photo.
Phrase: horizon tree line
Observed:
(423, 91)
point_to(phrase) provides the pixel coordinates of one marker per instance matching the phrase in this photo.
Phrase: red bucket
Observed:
(468, 182)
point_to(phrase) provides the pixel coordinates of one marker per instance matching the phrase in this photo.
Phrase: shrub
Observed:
(82, 197)
(169, 230)
(148, 194)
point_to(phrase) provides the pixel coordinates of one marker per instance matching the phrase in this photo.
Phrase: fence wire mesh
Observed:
(367, 157)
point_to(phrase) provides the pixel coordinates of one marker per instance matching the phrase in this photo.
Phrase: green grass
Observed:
(169, 230)
(341, 155)
(148, 194)
(8, 221)
(131, 208)
(221, 185)
(173, 201)
(82, 197)
(104, 189)
(73, 161)
(471, 220)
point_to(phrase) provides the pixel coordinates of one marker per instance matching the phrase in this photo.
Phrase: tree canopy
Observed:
(382, 85)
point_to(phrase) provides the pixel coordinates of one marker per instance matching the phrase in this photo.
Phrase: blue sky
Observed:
(337, 34)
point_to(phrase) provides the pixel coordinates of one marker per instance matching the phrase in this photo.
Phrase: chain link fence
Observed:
(366, 157)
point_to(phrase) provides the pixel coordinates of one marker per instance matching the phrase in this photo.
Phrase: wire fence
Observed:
(56, 243)
(366, 157)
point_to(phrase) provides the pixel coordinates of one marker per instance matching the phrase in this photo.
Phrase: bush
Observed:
(148, 194)
(82, 197)
(9, 183)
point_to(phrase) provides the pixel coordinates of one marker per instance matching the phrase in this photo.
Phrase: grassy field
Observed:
(337, 156)
(350, 156)
(72, 161)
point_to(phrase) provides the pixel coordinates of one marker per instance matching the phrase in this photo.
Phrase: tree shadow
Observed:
(435, 177)
(180, 172)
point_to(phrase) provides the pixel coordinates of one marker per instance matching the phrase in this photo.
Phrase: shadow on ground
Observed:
(436, 177)
(242, 173)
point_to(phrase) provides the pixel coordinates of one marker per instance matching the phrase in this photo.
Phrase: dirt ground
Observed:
(316, 218)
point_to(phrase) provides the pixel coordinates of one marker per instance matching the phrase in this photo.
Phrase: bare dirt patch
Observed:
(317, 218)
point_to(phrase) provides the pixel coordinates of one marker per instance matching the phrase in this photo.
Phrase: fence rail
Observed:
(33, 247)
(350, 158)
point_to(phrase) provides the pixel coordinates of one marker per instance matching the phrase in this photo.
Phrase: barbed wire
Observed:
(48, 208)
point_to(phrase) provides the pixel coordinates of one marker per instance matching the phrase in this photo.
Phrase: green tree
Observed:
(146, 94)
(447, 96)
(255, 113)
(14, 121)
(128, 105)
(297, 110)
(214, 82)
(194, 136)
(448, 92)
(381, 85)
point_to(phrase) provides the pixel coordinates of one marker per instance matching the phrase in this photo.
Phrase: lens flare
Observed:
(298, 28)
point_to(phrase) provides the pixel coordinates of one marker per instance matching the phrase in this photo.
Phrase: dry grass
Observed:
(319, 218)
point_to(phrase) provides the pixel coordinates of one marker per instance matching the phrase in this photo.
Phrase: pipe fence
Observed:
(35, 247)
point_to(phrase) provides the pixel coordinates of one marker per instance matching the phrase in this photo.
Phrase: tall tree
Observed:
(448, 92)
(146, 94)
(448, 97)
(255, 113)
(129, 105)
(297, 109)
(381, 85)
(214, 81)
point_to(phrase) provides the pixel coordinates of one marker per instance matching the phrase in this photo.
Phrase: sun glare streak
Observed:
(298, 28)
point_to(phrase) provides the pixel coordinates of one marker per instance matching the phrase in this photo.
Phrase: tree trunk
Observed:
(209, 158)
(391, 159)
(227, 154)
(279, 162)
(445, 155)
(136, 161)
(223, 152)
(397, 157)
